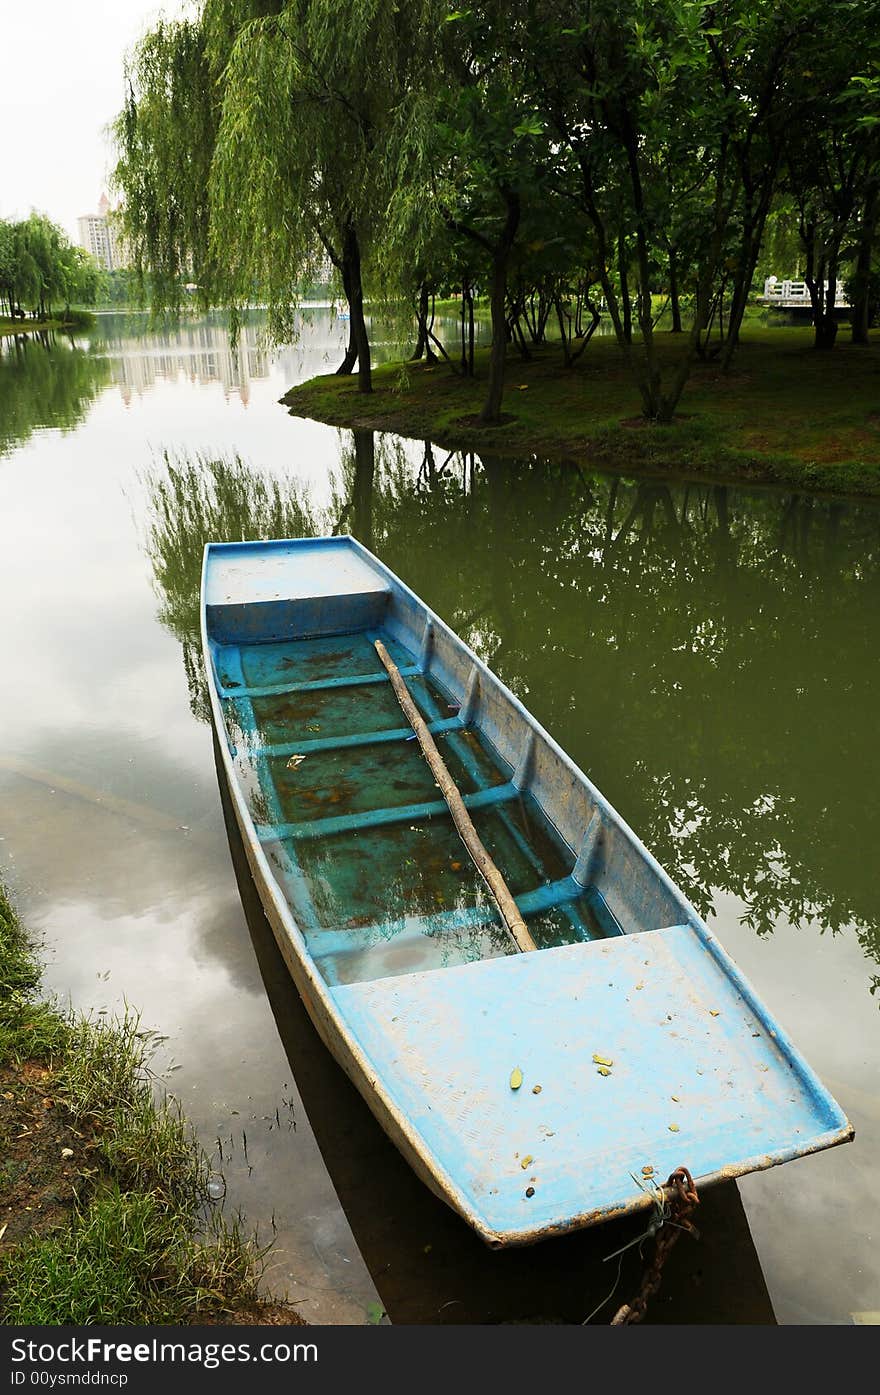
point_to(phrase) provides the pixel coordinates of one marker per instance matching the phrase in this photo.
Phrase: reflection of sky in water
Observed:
(113, 839)
(142, 889)
(814, 1218)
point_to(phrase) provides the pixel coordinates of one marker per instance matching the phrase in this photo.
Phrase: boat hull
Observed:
(431, 1051)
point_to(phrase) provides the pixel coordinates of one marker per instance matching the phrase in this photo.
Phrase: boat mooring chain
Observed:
(679, 1198)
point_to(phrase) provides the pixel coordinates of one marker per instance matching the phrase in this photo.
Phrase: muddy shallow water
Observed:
(708, 655)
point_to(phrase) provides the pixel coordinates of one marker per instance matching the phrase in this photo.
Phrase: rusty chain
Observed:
(680, 1199)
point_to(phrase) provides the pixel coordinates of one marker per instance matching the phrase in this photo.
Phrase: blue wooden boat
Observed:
(534, 1091)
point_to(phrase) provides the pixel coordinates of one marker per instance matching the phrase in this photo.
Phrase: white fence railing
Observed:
(796, 293)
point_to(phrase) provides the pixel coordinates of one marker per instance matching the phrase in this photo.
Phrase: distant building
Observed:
(99, 236)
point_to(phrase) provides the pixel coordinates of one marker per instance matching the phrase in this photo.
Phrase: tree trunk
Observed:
(351, 258)
(423, 341)
(758, 188)
(350, 357)
(826, 319)
(498, 299)
(563, 332)
(625, 303)
(826, 332)
(467, 328)
(422, 322)
(861, 304)
(674, 303)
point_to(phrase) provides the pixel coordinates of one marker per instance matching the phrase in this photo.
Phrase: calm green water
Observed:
(708, 655)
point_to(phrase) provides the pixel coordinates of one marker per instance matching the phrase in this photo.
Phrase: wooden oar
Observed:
(460, 816)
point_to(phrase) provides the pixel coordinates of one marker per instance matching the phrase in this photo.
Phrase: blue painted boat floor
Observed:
(695, 1075)
(353, 824)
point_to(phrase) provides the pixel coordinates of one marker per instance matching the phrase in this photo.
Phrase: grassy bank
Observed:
(784, 414)
(77, 319)
(104, 1211)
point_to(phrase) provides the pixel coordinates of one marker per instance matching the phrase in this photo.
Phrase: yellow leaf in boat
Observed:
(714, 1013)
(294, 762)
(647, 1171)
(516, 1078)
(602, 1060)
(603, 1070)
(673, 1128)
(526, 1160)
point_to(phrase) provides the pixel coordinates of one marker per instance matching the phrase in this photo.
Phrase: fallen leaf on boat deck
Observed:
(603, 1070)
(294, 762)
(602, 1060)
(647, 1172)
(673, 1128)
(714, 1013)
(536, 1089)
(526, 1160)
(516, 1078)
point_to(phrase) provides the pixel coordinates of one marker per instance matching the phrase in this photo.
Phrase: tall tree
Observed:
(833, 161)
(627, 93)
(473, 153)
(289, 104)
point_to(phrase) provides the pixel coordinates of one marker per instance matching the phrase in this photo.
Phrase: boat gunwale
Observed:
(364, 1075)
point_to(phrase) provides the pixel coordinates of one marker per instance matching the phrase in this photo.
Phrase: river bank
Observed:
(77, 319)
(107, 1215)
(785, 414)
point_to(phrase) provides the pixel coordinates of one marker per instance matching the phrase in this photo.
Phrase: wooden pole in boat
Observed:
(460, 816)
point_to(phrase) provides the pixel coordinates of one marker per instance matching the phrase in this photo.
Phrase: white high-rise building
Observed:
(99, 236)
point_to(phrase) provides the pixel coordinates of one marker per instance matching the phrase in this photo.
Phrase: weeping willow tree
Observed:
(166, 135)
(257, 140)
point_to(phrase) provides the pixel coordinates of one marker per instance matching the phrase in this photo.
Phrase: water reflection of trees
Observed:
(709, 655)
(193, 501)
(45, 380)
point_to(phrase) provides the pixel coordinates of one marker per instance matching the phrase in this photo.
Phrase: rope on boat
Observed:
(679, 1199)
(461, 818)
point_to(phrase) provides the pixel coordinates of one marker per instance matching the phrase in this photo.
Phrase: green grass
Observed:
(76, 319)
(140, 1242)
(29, 1027)
(128, 1257)
(784, 413)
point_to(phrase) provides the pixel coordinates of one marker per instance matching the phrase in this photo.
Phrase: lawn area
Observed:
(784, 413)
(78, 318)
(104, 1216)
